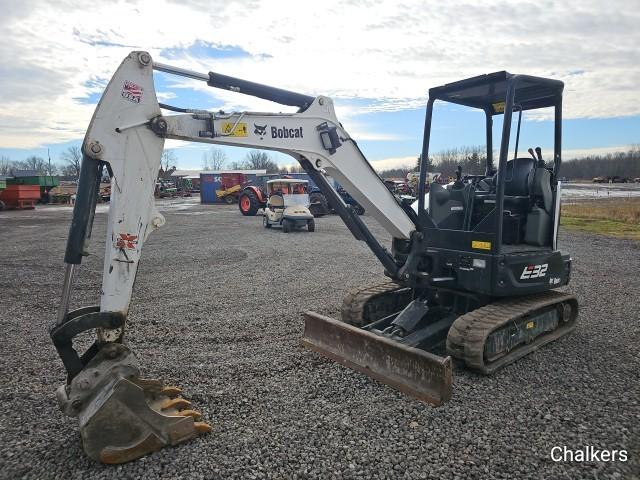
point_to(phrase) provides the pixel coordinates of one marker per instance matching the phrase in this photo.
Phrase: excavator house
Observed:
(471, 275)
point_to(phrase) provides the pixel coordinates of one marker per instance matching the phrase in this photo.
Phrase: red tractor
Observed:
(252, 197)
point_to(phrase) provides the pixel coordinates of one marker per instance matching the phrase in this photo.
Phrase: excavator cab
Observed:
(506, 217)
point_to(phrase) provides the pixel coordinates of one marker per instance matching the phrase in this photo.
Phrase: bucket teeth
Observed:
(171, 391)
(191, 413)
(178, 403)
(202, 427)
(122, 416)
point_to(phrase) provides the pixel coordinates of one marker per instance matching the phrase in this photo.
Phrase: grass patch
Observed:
(603, 227)
(616, 217)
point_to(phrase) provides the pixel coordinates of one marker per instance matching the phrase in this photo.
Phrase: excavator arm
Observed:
(122, 416)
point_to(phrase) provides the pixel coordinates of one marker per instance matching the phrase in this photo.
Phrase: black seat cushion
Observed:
(517, 173)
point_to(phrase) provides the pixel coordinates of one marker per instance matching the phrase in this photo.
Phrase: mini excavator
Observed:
(472, 273)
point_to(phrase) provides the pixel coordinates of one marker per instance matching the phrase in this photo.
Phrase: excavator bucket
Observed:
(123, 417)
(418, 373)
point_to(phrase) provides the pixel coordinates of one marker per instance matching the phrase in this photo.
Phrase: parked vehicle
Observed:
(349, 200)
(288, 205)
(184, 186)
(398, 187)
(611, 179)
(229, 195)
(253, 196)
(164, 189)
(618, 179)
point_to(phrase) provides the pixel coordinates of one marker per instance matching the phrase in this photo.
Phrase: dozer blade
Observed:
(123, 417)
(421, 374)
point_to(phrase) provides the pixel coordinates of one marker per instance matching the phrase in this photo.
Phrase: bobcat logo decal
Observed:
(260, 130)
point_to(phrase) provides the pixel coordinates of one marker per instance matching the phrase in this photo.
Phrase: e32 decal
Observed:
(534, 271)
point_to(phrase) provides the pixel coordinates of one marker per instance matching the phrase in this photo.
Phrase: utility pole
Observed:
(48, 190)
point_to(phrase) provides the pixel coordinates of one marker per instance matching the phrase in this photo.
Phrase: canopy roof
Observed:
(489, 92)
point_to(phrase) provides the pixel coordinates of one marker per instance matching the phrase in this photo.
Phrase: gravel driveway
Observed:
(217, 310)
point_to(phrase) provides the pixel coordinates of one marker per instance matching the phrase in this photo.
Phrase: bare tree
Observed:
(472, 159)
(72, 157)
(238, 166)
(258, 160)
(214, 159)
(6, 165)
(167, 164)
(38, 164)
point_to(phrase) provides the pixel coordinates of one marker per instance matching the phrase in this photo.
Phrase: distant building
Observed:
(194, 175)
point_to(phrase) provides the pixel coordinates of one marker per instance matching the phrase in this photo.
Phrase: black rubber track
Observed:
(364, 305)
(469, 332)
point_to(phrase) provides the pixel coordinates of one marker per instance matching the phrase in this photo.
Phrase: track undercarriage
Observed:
(484, 339)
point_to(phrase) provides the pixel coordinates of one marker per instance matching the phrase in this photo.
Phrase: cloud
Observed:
(55, 54)
(571, 153)
(394, 162)
(164, 96)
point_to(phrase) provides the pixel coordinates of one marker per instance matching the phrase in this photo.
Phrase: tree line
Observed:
(621, 164)
(472, 159)
(70, 160)
(216, 159)
(68, 165)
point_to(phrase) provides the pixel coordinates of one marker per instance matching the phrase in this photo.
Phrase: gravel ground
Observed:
(216, 310)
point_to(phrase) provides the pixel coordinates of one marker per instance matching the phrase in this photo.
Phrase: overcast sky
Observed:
(376, 58)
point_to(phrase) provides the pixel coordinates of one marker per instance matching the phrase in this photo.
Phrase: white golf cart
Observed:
(288, 205)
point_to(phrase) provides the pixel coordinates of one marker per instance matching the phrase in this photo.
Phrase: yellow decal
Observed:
(498, 107)
(480, 245)
(530, 325)
(239, 131)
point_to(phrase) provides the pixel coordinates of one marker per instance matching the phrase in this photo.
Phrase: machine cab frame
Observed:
(508, 216)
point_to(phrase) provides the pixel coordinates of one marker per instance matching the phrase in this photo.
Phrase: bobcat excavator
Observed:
(472, 275)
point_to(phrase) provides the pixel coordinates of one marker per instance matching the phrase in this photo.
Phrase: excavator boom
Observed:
(121, 415)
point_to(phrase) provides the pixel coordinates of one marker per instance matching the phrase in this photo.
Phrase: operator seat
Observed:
(518, 176)
(527, 185)
(541, 187)
(524, 179)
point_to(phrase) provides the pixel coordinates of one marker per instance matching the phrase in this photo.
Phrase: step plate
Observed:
(415, 372)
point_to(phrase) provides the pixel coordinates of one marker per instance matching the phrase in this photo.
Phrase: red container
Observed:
(229, 180)
(20, 196)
